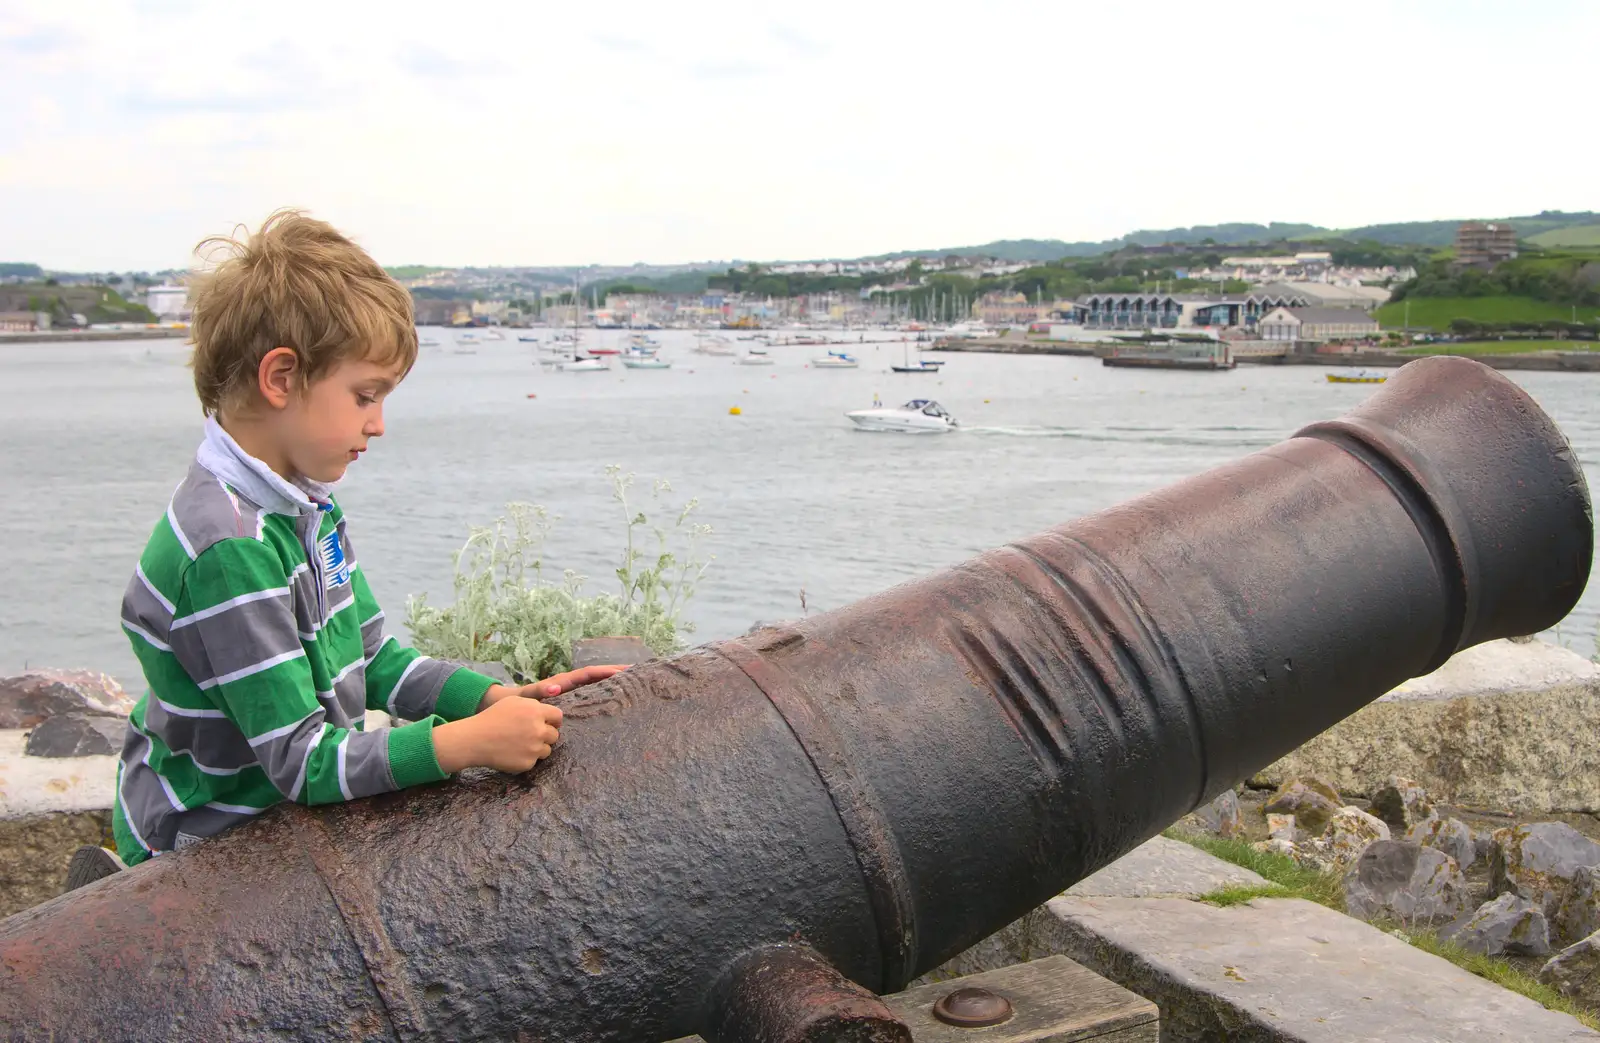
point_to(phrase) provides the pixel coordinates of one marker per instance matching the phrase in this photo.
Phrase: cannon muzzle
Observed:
(868, 791)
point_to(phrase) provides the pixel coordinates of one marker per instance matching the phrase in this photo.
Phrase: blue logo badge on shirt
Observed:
(333, 563)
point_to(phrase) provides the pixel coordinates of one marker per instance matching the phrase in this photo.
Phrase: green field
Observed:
(1502, 347)
(1436, 312)
(1574, 235)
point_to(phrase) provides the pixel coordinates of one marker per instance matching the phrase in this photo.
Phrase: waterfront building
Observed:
(24, 321)
(168, 303)
(1332, 295)
(1316, 324)
(493, 312)
(1009, 309)
(1484, 244)
(1121, 311)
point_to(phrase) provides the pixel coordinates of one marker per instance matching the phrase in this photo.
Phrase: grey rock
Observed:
(28, 699)
(1399, 880)
(497, 671)
(1578, 913)
(1165, 867)
(1282, 827)
(1222, 817)
(762, 624)
(1575, 971)
(76, 735)
(1278, 846)
(1450, 835)
(1538, 861)
(1348, 833)
(1310, 800)
(1402, 804)
(604, 651)
(1506, 924)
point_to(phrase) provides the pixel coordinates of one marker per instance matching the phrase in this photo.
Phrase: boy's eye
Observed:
(365, 399)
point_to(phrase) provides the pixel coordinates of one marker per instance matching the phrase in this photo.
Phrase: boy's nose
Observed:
(374, 427)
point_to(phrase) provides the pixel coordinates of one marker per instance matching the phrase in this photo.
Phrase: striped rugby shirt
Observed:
(263, 648)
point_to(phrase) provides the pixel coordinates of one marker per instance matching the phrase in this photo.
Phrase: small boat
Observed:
(428, 343)
(836, 360)
(1358, 376)
(920, 366)
(605, 351)
(754, 357)
(638, 360)
(920, 416)
(590, 365)
(528, 340)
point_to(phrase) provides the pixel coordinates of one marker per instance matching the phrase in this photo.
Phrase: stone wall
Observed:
(1509, 726)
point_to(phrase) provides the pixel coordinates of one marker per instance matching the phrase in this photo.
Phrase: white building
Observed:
(169, 303)
(1317, 324)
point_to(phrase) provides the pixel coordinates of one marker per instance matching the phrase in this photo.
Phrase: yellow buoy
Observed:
(735, 411)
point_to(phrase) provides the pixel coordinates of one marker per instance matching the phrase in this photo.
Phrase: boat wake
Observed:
(1211, 436)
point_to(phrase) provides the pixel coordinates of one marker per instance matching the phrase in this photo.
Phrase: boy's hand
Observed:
(512, 736)
(551, 686)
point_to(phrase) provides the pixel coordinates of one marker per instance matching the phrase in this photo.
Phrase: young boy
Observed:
(250, 615)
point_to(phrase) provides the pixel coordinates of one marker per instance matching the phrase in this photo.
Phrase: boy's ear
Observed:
(276, 376)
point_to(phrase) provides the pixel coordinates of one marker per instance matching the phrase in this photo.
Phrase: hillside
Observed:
(1419, 233)
(1436, 313)
(1571, 235)
(95, 303)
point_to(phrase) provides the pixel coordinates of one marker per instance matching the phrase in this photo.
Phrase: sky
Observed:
(533, 134)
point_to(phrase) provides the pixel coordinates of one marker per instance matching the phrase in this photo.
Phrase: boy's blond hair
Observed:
(296, 283)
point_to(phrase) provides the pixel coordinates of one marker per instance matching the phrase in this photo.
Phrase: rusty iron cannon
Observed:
(743, 840)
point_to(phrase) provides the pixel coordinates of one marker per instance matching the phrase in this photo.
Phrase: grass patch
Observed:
(1226, 896)
(1503, 974)
(1502, 347)
(1292, 879)
(1436, 312)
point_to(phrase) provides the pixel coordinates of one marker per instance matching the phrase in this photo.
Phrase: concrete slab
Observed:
(1289, 970)
(1274, 969)
(1165, 868)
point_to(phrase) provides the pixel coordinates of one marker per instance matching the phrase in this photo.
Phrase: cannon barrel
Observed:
(869, 790)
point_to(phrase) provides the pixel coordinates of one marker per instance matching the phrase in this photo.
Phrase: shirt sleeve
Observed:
(403, 682)
(236, 637)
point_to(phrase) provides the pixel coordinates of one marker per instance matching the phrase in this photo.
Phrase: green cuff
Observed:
(461, 694)
(411, 758)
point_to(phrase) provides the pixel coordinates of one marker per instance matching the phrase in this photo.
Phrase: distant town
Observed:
(1538, 275)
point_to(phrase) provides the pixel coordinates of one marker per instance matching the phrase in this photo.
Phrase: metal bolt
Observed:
(972, 1008)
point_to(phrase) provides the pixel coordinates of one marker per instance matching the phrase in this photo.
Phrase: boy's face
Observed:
(327, 425)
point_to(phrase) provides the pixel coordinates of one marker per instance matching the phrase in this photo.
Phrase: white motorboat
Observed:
(836, 360)
(920, 416)
(638, 360)
(582, 365)
(754, 357)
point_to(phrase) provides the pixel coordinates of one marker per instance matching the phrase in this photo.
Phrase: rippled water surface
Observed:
(96, 436)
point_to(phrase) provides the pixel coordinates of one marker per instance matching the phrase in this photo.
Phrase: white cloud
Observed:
(501, 134)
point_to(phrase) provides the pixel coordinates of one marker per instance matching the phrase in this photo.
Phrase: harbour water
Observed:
(95, 436)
